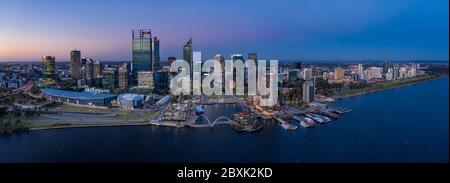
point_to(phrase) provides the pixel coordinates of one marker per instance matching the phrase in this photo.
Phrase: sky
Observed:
(283, 29)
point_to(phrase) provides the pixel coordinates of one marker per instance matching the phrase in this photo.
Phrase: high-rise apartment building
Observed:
(75, 63)
(49, 66)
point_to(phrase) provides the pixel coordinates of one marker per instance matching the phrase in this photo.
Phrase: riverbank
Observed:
(381, 86)
(89, 126)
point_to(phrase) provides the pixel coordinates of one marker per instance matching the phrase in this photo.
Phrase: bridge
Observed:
(219, 121)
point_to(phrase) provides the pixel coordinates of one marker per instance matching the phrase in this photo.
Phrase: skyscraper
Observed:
(75, 63)
(109, 77)
(396, 72)
(97, 68)
(298, 65)
(89, 72)
(187, 55)
(123, 76)
(385, 67)
(360, 72)
(142, 51)
(171, 59)
(49, 66)
(156, 57)
(187, 52)
(308, 92)
(253, 56)
(235, 57)
(219, 58)
(307, 74)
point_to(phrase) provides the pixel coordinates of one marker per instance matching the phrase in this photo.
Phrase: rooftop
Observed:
(130, 96)
(76, 95)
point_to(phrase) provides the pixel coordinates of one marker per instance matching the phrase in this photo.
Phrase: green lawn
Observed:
(385, 85)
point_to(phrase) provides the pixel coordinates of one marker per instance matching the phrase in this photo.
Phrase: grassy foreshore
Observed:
(65, 116)
(375, 87)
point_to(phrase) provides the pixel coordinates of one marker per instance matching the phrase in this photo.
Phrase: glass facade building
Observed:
(142, 51)
(156, 57)
(110, 78)
(49, 66)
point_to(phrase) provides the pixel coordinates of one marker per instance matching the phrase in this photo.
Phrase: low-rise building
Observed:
(131, 101)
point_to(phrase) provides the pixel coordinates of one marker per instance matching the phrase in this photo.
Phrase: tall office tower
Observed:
(89, 72)
(385, 67)
(49, 66)
(187, 52)
(235, 57)
(83, 62)
(308, 92)
(253, 56)
(123, 77)
(307, 72)
(298, 65)
(240, 57)
(171, 59)
(156, 57)
(220, 58)
(109, 77)
(75, 63)
(338, 73)
(97, 68)
(142, 51)
(187, 55)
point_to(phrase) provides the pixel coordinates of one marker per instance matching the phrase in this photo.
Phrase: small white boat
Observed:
(304, 124)
(288, 126)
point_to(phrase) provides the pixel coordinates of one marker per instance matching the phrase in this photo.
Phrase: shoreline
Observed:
(89, 126)
(154, 124)
(387, 88)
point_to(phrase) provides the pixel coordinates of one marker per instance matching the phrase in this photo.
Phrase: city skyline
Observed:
(415, 30)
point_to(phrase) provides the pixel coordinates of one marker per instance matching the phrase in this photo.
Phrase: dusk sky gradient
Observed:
(301, 30)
